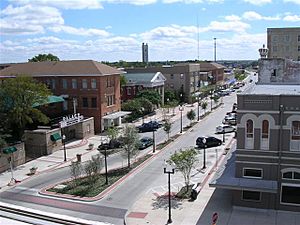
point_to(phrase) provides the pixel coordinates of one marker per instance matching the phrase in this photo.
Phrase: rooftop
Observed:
(60, 68)
(272, 89)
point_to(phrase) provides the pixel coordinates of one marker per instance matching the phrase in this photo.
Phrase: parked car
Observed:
(145, 142)
(116, 143)
(150, 126)
(230, 121)
(210, 142)
(224, 128)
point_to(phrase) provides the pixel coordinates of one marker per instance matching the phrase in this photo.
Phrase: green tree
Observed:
(191, 115)
(170, 96)
(146, 104)
(43, 57)
(112, 133)
(184, 161)
(152, 96)
(204, 106)
(130, 139)
(216, 99)
(17, 97)
(167, 127)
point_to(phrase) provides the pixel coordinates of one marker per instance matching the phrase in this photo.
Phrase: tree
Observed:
(130, 140)
(43, 57)
(112, 133)
(170, 95)
(216, 99)
(204, 105)
(167, 127)
(17, 97)
(184, 161)
(75, 170)
(152, 96)
(191, 115)
(146, 104)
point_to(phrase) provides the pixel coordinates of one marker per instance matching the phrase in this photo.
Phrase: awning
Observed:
(116, 115)
(9, 150)
(55, 137)
(50, 99)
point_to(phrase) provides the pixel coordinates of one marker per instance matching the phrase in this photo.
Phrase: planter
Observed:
(32, 170)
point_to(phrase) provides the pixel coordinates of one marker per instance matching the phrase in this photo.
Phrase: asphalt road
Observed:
(151, 178)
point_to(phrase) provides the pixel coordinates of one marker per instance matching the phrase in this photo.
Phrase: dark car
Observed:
(117, 143)
(145, 142)
(150, 126)
(210, 142)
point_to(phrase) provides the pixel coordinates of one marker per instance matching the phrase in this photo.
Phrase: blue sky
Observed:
(113, 30)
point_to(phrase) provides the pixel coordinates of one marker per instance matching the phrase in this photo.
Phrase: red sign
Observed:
(215, 217)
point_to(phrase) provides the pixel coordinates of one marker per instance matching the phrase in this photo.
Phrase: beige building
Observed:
(284, 43)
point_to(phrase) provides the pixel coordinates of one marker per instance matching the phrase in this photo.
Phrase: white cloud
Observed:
(64, 4)
(258, 2)
(292, 18)
(228, 26)
(251, 15)
(293, 1)
(232, 18)
(28, 19)
(192, 1)
(79, 31)
(133, 2)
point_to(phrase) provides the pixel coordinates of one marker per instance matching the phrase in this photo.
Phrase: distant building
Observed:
(88, 87)
(264, 170)
(137, 82)
(187, 78)
(284, 43)
(145, 53)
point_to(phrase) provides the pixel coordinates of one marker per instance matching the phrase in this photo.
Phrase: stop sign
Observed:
(215, 217)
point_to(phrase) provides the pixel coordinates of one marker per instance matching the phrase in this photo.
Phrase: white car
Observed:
(224, 129)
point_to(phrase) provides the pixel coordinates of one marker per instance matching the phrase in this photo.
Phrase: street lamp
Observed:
(168, 105)
(169, 172)
(198, 99)
(211, 98)
(64, 142)
(223, 136)
(105, 161)
(181, 109)
(204, 159)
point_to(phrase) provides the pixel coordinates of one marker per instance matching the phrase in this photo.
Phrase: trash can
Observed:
(78, 157)
(194, 192)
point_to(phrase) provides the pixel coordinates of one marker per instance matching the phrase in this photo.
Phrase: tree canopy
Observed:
(17, 97)
(130, 139)
(152, 96)
(43, 57)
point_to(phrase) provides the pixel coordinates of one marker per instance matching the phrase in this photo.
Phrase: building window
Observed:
(254, 196)
(291, 175)
(53, 84)
(290, 194)
(171, 85)
(85, 103)
(265, 129)
(109, 81)
(172, 76)
(110, 100)
(74, 83)
(181, 76)
(88, 128)
(94, 102)
(84, 83)
(93, 84)
(65, 105)
(274, 48)
(64, 83)
(252, 173)
(274, 73)
(128, 90)
(298, 37)
(298, 48)
(296, 130)
(249, 129)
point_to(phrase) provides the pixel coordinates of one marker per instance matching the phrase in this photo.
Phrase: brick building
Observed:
(88, 87)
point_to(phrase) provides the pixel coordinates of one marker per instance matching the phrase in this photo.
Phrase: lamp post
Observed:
(153, 133)
(168, 105)
(223, 136)
(198, 99)
(181, 109)
(204, 156)
(169, 172)
(211, 98)
(65, 151)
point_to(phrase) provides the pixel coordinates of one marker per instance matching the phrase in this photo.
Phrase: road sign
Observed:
(215, 218)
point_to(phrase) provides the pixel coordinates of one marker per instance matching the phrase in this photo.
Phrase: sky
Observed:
(113, 30)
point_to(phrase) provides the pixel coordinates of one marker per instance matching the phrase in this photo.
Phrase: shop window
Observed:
(290, 194)
(254, 196)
